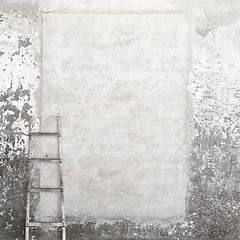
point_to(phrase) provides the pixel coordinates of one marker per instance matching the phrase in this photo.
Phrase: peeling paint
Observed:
(19, 81)
(24, 43)
(214, 164)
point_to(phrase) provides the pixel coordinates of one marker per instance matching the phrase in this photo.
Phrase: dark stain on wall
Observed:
(1, 18)
(24, 43)
(13, 167)
(13, 188)
(214, 197)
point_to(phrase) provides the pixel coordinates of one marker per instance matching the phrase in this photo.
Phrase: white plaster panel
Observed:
(119, 84)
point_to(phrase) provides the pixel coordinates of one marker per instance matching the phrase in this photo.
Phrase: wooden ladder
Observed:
(30, 189)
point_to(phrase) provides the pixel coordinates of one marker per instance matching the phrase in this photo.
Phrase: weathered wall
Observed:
(214, 86)
(20, 75)
(211, 122)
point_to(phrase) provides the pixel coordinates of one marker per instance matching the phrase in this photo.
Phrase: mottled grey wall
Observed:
(214, 87)
(213, 93)
(20, 79)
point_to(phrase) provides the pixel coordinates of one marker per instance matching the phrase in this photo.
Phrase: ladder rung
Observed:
(45, 189)
(45, 159)
(39, 224)
(45, 134)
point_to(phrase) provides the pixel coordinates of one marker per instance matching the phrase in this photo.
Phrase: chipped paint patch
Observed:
(19, 74)
(24, 43)
(214, 86)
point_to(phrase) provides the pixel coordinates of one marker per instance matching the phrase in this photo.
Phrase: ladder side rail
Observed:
(28, 181)
(61, 178)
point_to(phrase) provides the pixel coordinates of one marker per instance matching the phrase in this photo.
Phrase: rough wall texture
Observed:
(19, 74)
(214, 164)
(212, 204)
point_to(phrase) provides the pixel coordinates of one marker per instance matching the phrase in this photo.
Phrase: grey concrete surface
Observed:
(149, 97)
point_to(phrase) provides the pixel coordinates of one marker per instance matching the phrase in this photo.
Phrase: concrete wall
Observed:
(149, 93)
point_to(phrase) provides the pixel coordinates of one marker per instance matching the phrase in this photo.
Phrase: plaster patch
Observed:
(119, 85)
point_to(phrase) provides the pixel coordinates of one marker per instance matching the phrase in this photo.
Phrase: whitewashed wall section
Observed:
(119, 83)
